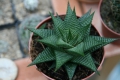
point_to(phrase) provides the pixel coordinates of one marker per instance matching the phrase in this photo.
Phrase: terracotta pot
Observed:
(48, 19)
(110, 31)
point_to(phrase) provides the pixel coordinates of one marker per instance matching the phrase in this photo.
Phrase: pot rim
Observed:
(89, 1)
(99, 7)
(47, 19)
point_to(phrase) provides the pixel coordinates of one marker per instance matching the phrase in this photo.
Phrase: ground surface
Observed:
(8, 36)
(5, 12)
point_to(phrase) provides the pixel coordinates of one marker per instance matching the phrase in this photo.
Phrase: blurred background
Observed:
(16, 15)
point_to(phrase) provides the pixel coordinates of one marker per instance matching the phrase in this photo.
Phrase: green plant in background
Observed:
(69, 43)
(110, 13)
(23, 33)
(115, 9)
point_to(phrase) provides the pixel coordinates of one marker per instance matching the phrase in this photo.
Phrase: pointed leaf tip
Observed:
(86, 61)
(42, 32)
(77, 50)
(61, 59)
(46, 55)
(61, 43)
(30, 65)
(70, 68)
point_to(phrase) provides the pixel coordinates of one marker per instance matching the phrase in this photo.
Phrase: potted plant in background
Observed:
(68, 48)
(24, 34)
(110, 15)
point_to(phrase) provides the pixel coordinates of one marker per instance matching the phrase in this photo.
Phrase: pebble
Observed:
(8, 69)
(3, 46)
(31, 5)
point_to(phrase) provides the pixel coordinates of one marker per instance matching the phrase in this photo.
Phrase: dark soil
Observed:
(81, 71)
(107, 16)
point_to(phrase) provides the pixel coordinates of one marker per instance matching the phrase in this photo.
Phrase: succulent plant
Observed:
(69, 42)
(115, 9)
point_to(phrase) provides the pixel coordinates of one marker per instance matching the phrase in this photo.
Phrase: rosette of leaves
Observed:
(115, 9)
(69, 42)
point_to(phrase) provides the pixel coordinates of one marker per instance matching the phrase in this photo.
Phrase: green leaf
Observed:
(77, 50)
(58, 24)
(52, 66)
(74, 40)
(85, 16)
(87, 20)
(86, 24)
(69, 35)
(83, 32)
(63, 44)
(73, 24)
(42, 32)
(96, 42)
(95, 61)
(43, 26)
(70, 68)
(58, 16)
(61, 59)
(50, 41)
(62, 33)
(69, 13)
(46, 55)
(91, 44)
(86, 61)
